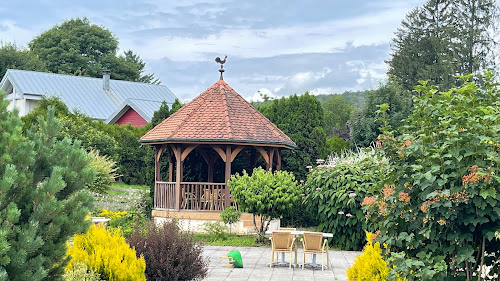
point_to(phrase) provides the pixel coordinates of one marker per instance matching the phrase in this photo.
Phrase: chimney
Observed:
(106, 75)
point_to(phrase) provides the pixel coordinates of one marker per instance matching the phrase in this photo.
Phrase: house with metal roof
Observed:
(112, 101)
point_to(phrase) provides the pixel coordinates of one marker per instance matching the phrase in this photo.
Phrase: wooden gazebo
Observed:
(217, 123)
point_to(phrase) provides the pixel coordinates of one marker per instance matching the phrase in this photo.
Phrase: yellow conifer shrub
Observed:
(107, 253)
(369, 266)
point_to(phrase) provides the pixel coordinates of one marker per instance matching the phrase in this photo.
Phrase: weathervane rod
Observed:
(221, 62)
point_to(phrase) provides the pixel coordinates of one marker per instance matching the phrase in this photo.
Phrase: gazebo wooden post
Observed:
(178, 177)
(269, 165)
(227, 175)
(210, 163)
(157, 163)
(170, 165)
(278, 159)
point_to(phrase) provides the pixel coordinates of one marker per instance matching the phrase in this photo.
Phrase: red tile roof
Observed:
(218, 114)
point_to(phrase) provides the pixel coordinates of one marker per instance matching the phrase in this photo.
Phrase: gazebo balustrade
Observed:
(197, 196)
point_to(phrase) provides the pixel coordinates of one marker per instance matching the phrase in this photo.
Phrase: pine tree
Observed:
(441, 39)
(474, 21)
(41, 198)
(421, 46)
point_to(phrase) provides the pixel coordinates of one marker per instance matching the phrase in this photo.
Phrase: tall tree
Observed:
(364, 124)
(302, 119)
(441, 39)
(337, 113)
(421, 46)
(41, 200)
(78, 47)
(144, 78)
(13, 57)
(474, 21)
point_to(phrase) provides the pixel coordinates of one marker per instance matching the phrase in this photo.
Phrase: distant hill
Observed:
(356, 98)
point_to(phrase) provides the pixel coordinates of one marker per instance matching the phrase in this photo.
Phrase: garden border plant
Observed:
(441, 207)
(335, 190)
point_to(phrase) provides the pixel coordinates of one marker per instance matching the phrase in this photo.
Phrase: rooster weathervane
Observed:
(222, 62)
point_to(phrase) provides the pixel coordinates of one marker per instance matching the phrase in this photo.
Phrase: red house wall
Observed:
(132, 117)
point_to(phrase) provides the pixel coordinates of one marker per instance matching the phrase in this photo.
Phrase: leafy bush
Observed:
(217, 230)
(266, 194)
(81, 272)
(83, 128)
(105, 172)
(169, 253)
(441, 208)
(336, 145)
(230, 215)
(335, 191)
(369, 266)
(300, 215)
(108, 254)
(135, 162)
(125, 222)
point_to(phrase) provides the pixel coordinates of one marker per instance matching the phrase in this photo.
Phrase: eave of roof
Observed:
(213, 141)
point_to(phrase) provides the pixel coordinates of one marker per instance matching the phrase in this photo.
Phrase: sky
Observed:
(276, 48)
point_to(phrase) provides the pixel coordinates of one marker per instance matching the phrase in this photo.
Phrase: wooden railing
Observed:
(200, 196)
(165, 195)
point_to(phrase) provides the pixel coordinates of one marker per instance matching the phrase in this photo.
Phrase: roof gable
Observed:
(144, 108)
(218, 114)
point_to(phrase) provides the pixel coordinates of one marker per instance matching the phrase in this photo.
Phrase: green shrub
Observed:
(265, 194)
(335, 191)
(108, 254)
(125, 222)
(217, 230)
(81, 272)
(300, 215)
(229, 216)
(336, 145)
(170, 254)
(441, 209)
(105, 172)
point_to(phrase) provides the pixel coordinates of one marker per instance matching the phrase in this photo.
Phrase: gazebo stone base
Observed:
(194, 221)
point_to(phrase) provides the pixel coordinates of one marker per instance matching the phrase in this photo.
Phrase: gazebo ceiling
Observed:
(219, 114)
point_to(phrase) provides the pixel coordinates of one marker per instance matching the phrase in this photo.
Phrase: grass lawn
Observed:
(126, 186)
(115, 192)
(232, 240)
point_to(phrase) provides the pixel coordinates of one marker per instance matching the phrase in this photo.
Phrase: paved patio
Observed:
(256, 265)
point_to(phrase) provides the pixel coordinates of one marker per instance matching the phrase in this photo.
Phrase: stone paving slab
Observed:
(256, 265)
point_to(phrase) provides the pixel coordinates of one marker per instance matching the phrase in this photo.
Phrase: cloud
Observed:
(274, 47)
(13, 33)
(325, 37)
